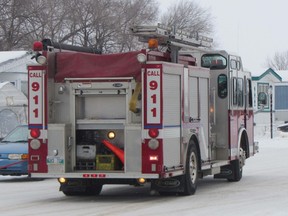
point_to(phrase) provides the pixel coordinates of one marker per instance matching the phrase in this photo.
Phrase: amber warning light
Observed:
(153, 43)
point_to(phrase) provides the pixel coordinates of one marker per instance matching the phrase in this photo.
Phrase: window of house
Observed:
(262, 94)
(281, 97)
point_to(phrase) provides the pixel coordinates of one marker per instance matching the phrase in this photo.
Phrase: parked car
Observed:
(283, 127)
(14, 152)
(283, 130)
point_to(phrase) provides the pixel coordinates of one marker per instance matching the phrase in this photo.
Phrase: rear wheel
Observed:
(191, 176)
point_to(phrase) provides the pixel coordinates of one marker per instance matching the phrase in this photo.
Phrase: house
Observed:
(13, 68)
(270, 93)
(13, 89)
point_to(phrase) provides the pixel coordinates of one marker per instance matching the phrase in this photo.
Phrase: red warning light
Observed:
(37, 46)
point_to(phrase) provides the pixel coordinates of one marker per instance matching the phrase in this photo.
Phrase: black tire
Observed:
(191, 170)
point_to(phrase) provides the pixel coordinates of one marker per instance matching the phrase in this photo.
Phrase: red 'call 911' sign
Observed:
(35, 96)
(153, 96)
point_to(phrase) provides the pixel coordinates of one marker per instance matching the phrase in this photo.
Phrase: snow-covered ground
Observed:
(263, 190)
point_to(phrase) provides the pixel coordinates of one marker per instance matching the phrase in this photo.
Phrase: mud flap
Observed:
(170, 185)
(227, 172)
(231, 172)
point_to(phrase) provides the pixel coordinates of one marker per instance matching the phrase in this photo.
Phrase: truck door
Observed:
(236, 112)
(248, 109)
(198, 82)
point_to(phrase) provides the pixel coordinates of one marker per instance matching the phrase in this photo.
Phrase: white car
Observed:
(283, 130)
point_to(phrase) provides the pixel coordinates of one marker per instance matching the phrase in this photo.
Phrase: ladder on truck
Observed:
(171, 38)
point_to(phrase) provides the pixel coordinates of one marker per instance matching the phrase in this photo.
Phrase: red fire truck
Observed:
(166, 118)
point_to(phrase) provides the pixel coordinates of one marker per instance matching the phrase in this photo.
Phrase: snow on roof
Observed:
(11, 96)
(15, 61)
(8, 55)
(280, 75)
(283, 74)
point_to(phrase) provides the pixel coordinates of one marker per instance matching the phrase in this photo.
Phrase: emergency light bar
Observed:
(165, 34)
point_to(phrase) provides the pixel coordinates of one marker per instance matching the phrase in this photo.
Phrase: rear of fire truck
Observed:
(90, 122)
(126, 118)
(81, 128)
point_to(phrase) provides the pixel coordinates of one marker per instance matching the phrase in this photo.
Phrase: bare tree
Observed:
(48, 20)
(278, 62)
(92, 22)
(134, 12)
(13, 17)
(24, 21)
(187, 15)
(102, 24)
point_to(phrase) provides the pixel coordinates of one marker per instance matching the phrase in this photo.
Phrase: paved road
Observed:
(263, 190)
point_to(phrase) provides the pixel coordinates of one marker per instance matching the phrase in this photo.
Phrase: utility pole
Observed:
(271, 111)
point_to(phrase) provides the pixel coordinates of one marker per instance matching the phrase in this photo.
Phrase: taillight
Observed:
(37, 46)
(153, 133)
(35, 133)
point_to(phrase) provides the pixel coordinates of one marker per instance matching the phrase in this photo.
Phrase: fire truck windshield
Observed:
(213, 61)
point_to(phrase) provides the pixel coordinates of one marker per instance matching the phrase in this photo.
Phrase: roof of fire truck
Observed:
(87, 65)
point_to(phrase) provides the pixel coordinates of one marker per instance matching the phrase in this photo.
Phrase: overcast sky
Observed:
(255, 29)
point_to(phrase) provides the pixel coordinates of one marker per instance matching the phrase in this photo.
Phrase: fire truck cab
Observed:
(232, 115)
(165, 118)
